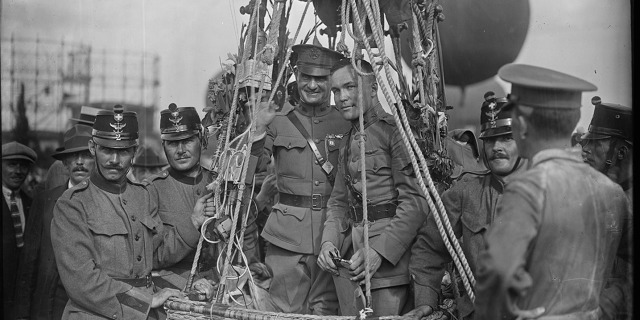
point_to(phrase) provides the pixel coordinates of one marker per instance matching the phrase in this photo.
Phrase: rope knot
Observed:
(418, 61)
(342, 47)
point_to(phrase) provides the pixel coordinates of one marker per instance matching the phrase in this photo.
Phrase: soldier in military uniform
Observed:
(305, 166)
(106, 233)
(608, 148)
(397, 207)
(471, 205)
(560, 223)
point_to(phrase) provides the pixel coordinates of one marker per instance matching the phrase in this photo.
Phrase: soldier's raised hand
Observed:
(203, 209)
(265, 114)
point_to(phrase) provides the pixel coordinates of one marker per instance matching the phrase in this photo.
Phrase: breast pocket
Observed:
(475, 226)
(290, 152)
(111, 244)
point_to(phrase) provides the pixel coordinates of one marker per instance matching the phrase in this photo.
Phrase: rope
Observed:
(344, 16)
(363, 176)
(408, 140)
(271, 47)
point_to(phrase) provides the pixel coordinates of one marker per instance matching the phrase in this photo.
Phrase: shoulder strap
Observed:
(327, 167)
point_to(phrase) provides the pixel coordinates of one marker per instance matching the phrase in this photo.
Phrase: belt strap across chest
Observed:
(315, 201)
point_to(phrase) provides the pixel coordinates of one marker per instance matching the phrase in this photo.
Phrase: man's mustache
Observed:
(499, 155)
(80, 169)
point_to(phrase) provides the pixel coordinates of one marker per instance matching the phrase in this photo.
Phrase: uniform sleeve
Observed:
(412, 208)
(262, 149)
(429, 254)
(173, 242)
(85, 282)
(337, 207)
(26, 281)
(500, 274)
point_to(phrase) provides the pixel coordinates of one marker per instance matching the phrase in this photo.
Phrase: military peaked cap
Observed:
(609, 120)
(314, 60)
(493, 121)
(116, 129)
(179, 123)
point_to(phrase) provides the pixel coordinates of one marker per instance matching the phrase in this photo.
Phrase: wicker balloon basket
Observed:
(192, 310)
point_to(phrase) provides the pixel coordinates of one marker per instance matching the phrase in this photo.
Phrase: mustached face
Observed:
(501, 153)
(80, 165)
(183, 155)
(113, 163)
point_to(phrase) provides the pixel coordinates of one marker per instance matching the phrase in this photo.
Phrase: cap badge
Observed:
(492, 114)
(118, 117)
(314, 53)
(175, 114)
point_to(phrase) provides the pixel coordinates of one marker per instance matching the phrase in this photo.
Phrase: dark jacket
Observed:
(38, 280)
(390, 180)
(10, 255)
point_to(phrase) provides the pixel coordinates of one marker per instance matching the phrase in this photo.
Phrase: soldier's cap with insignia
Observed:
(314, 60)
(493, 121)
(543, 88)
(76, 139)
(148, 157)
(178, 123)
(609, 120)
(17, 151)
(116, 129)
(87, 116)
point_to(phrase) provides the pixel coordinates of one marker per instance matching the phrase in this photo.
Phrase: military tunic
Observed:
(390, 180)
(557, 232)
(471, 205)
(293, 232)
(105, 235)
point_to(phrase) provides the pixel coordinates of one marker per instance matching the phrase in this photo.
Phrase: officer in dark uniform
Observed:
(304, 141)
(471, 205)
(397, 206)
(107, 235)
(608, 148)
(561, 223)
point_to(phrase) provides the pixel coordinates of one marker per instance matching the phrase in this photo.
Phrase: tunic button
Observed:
(317, 183)
(316, 161)
(139, 258)
(133, 218)
(285, 209)
(316, 121)
(316, 140)
(198, 192)
(289, 146)
(115, 316)
(137, 237)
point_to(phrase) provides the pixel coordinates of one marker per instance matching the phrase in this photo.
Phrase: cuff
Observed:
(388, 247)
(135, 303)
(425, 296)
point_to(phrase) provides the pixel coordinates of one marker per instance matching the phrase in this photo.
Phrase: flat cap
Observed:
(18, 151)
(314, 60)
(177, 123)
(87, 116)
(116, 129)
(76, 139)
(543, 88)
(610, 120)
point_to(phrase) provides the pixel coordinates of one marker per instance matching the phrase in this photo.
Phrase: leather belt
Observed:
(374, 213)
(316, 201)
(144, 282)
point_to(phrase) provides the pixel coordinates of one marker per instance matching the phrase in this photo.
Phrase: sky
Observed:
(589, 39)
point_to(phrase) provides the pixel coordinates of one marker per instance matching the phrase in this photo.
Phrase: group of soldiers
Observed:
(546, 233)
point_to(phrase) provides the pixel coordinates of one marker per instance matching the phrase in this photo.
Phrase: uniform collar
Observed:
(185, 179)
(550, 154)
(370, 117)
(309, 111)
(99, 181)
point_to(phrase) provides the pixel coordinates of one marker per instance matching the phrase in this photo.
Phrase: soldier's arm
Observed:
(337, 208)
(171, 242)
(85, 282)
(412, 206)
(429, 254)
(500, 274)
(26, 278)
